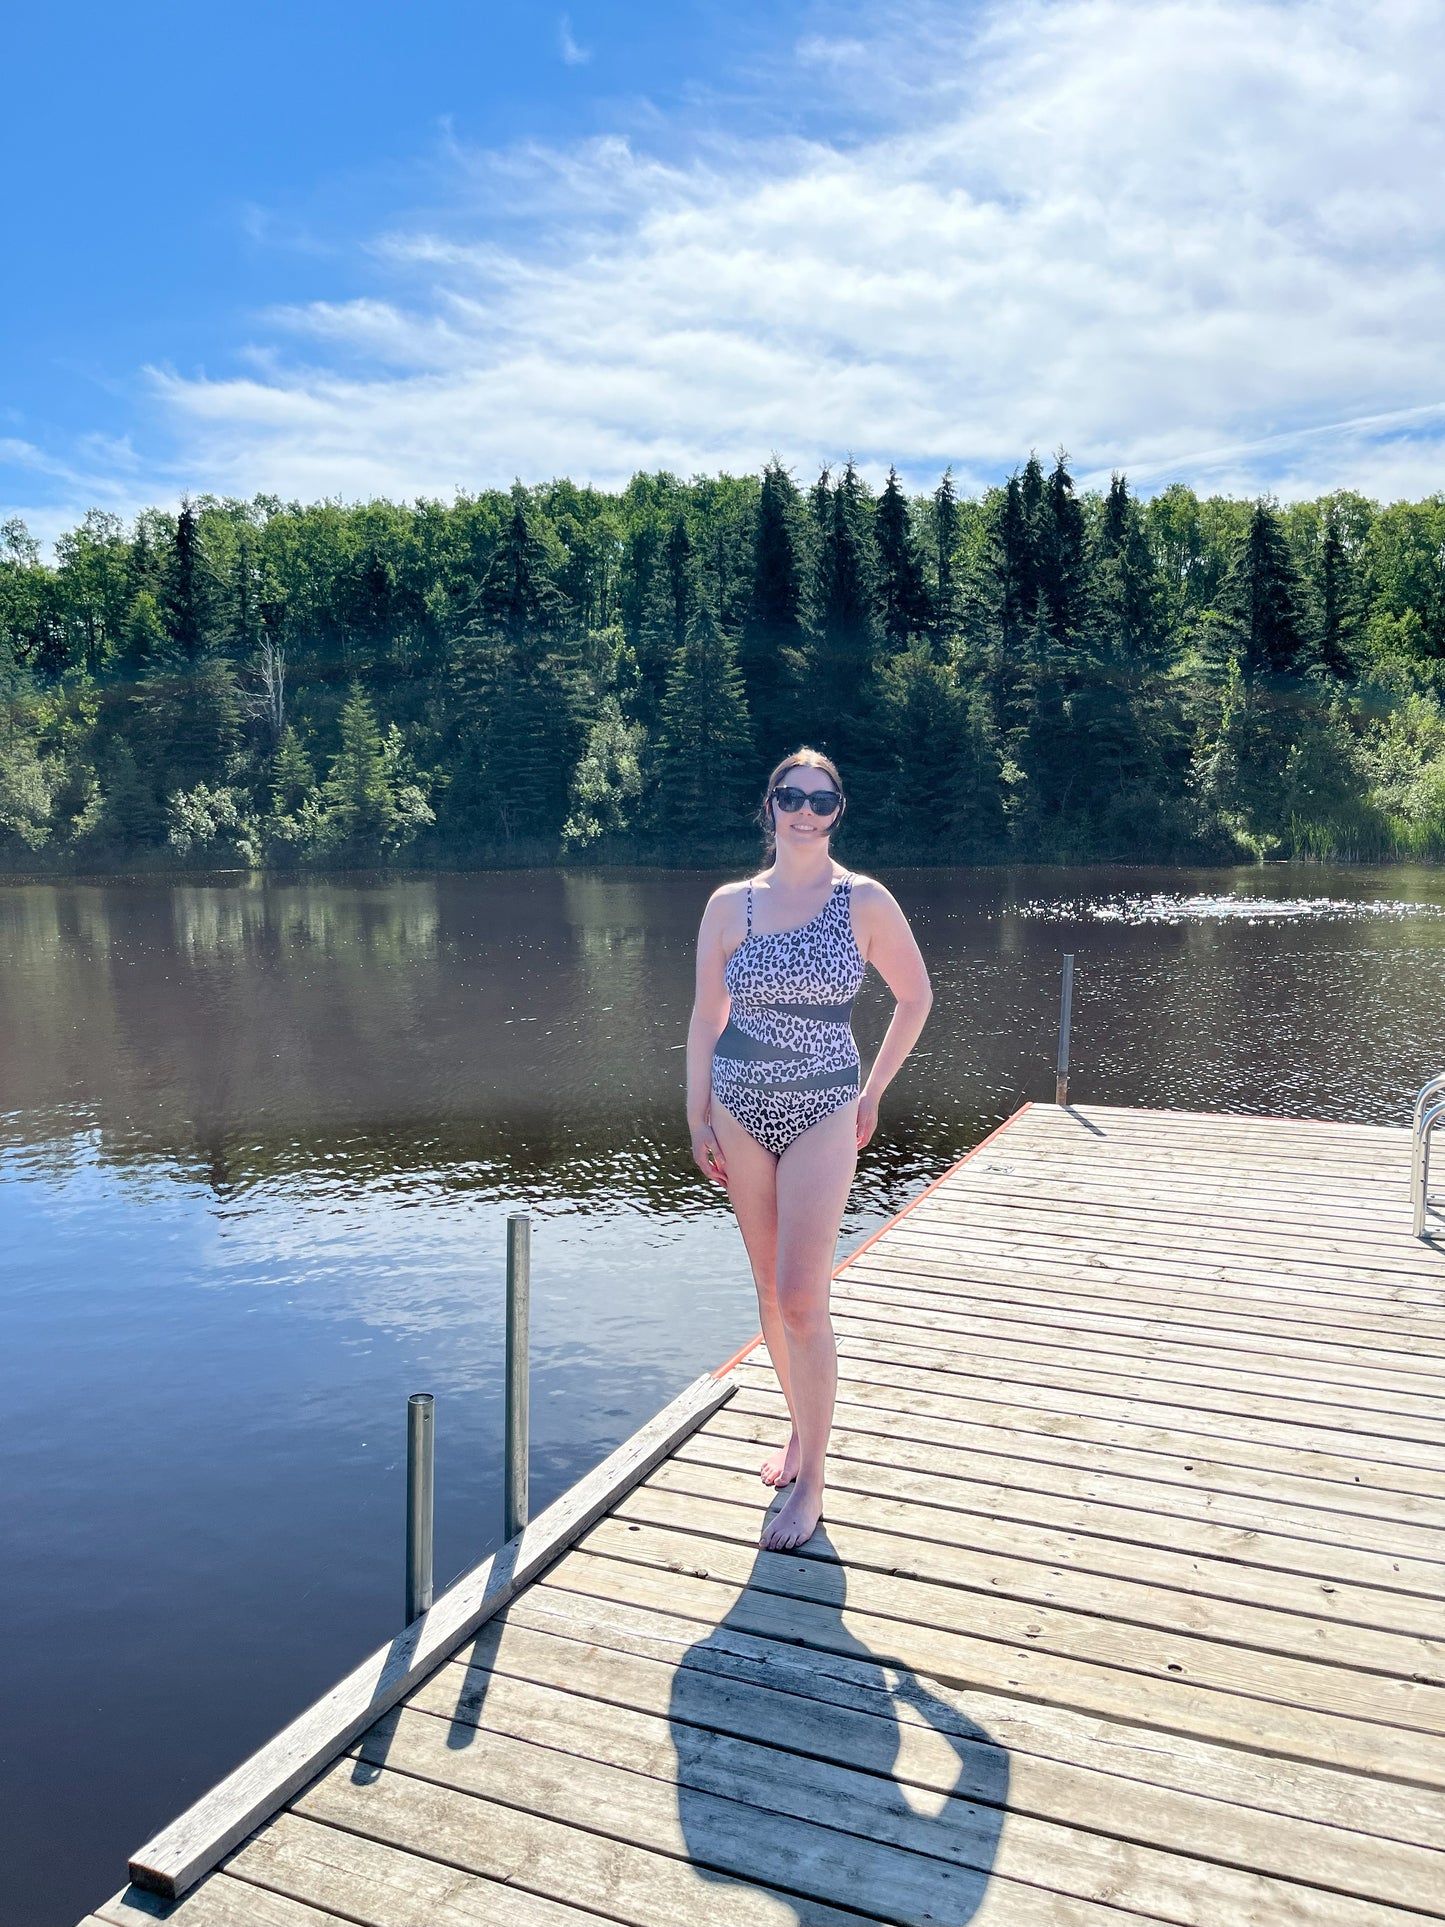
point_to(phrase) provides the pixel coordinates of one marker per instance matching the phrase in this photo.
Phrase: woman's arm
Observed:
(710, 1010)
(889, 945)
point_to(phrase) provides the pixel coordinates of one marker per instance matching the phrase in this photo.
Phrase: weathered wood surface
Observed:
(189, 1846)
(1127, 1606)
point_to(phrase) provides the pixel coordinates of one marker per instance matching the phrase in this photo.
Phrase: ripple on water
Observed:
(1162, 908)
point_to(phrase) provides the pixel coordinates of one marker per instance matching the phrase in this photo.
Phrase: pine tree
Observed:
(905, 610)
(705, 762)
(518, 700)
(1260, 601)
(188, 590)
(292, 775)
(774, 636)
(1339, 601)
(358, 797)
(668, 608)
(945, 567)
(143, 638)
(943, 800)
(1059, 548)
(846, 631)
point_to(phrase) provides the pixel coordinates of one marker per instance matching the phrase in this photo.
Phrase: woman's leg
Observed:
(813, 1178)
(753, 1192)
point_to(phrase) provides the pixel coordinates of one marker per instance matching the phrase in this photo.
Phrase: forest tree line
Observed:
(565, 673)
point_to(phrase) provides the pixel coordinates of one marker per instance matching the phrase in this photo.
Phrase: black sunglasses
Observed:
(820, 802)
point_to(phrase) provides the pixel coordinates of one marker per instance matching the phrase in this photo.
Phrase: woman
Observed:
(773, 1102)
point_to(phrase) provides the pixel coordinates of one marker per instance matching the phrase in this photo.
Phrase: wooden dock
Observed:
(1127, 1607)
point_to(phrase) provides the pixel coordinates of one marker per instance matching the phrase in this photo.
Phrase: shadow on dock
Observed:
(869, 1791)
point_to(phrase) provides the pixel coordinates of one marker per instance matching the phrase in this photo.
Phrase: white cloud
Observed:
(1197, 239)
(572, 54)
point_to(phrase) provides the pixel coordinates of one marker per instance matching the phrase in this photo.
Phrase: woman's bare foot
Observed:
(781, 1468)
(796, 1523)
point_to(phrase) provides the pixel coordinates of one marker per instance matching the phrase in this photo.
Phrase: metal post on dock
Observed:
(1066, 1011)
(519, 1297)
(420, 1502)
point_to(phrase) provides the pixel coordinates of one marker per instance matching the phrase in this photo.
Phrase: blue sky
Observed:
(329, 250)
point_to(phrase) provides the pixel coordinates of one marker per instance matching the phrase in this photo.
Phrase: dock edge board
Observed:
(175, 1858)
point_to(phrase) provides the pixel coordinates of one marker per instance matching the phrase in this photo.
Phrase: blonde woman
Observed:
(773, 1098)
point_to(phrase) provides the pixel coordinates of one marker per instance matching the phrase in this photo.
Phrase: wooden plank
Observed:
(1055, 1389)
(1274, 1310)
(1369, 1716)
(1151, 1481)
(1049, 1413)
(876, 1495)
(1052, 1496)
(1324, 1799)
(1151, 1211)
(1190, 1459)
(444, 1832)
(725, 1832)
(380, 1886)
(1406, 1414)
(904, 1294)
(1142, 1233)
(1026, 1665)
(1392, 1678)
(189, 1846)
(843, 1709)
(1390, 1294)
(1134, 1118)
(1297, 1190)
(978, 1201)
(218, 1902)
(687, 1741)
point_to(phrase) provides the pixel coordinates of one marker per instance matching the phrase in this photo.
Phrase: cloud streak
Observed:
(1196, 239)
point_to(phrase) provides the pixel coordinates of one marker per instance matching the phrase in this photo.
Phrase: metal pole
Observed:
(1066, 1006)
(519, 1298)
(420, 1502)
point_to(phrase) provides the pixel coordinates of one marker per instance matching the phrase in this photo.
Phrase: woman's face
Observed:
(799, 828)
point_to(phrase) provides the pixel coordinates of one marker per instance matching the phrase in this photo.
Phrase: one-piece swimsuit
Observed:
(787, 1058)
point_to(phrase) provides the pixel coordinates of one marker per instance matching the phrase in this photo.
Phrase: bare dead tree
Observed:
(271, 700)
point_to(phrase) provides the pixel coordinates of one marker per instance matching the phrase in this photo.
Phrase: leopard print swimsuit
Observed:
(787, 1059)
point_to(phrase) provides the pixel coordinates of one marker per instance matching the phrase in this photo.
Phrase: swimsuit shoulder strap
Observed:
(750, 907)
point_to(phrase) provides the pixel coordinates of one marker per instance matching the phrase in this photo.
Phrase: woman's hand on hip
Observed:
(867, 1117)
(707, 1155)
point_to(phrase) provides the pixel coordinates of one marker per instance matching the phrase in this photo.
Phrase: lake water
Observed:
(259, 1140)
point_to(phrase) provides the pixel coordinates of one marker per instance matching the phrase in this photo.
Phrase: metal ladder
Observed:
(1429, 1110)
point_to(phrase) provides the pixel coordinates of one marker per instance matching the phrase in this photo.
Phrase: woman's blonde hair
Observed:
(800, 759)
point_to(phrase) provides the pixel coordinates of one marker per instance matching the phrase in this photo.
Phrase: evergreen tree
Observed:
(518, 699)
(945, 565)
(188, 590)
(1058, 522)
(903, 598)
(1339, 601)
(358, 795)
(705, 762)
(774, 636)
(143, 636)
(943, 800)
(1260, 601)
(668, 608)
(292, 776)
(846, 622)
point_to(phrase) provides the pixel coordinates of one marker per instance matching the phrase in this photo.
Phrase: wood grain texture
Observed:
(191, 1845)
(1127, 1605)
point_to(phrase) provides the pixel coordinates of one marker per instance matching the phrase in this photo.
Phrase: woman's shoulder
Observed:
(865, 889)
(872, 901)
(727, 901)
